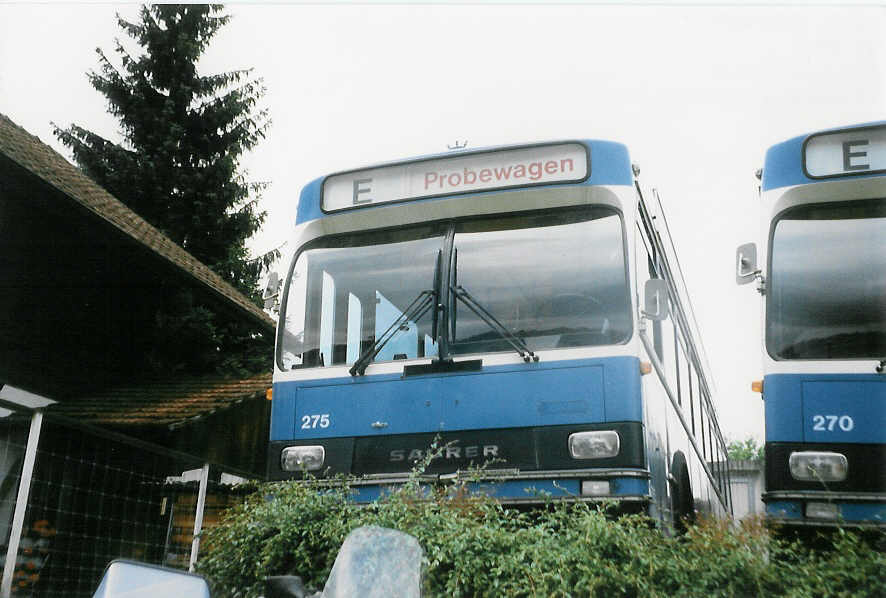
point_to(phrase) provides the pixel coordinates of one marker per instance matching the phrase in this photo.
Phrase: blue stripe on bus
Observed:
(783, 165)
(850, 512)
(820, 408)
(610, 165)
(523, 489)
(519, 489)
(521, 395)
(629, 486)
(527, 488)
(784, 509)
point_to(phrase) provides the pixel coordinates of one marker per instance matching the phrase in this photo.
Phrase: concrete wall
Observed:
(747, 488)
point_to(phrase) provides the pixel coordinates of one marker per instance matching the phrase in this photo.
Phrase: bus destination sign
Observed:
(843, 153)
(480, 171)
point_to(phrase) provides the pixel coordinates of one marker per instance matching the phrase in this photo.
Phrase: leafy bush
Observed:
(745, 450)
(475, 547)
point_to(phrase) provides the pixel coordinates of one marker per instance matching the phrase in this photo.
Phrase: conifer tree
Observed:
(178, 166)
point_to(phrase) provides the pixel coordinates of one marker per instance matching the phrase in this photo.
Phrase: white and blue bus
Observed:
(524, 305)
(823, 278)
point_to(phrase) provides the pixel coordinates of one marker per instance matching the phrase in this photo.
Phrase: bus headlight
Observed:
(811, 466)
(302, 458)
(594, 445)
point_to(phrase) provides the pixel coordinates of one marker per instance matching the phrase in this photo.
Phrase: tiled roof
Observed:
(41, 160)
(164, 403)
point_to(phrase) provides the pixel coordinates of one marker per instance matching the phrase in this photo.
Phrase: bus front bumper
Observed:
(826, 509)
(515, 487)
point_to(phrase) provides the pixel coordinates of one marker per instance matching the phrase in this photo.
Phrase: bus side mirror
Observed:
(746, 263)
(655, 295)
(272, 290)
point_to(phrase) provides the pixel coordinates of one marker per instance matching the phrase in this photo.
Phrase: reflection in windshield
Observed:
(827, 288)
(551, 280)
(556, 279)
(345, 292)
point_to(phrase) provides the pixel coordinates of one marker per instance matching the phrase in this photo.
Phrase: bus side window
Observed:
(691, 395)
(721, 472)
(699, 406)
(641, 270)
(668, 355)
(711, 442)
(684, 371)
(678, 350)
(701, 424)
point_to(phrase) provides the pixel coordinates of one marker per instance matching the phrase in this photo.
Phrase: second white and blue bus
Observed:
(524, 305)
(822, 274)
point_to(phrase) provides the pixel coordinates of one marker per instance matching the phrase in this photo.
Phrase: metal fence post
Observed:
(21, 503)
(198, 516)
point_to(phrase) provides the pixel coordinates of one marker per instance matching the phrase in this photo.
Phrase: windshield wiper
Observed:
(517, 343)
(419, 306)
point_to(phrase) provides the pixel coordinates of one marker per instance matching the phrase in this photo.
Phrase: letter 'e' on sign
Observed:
(566, 162)
(844, 153)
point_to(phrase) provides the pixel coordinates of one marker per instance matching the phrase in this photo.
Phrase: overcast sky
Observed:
(696, 91)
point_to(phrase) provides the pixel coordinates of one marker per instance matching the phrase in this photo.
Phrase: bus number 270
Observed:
(827, 423)
(315, 421)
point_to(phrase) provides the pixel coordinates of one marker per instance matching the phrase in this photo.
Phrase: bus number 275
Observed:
(828, 423)
(309, 422)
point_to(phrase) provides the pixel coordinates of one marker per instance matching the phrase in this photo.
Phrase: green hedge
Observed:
(475, 547)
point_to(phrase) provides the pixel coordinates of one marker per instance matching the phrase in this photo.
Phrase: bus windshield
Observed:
(556, 279)
(826, 289)
(553, 280)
